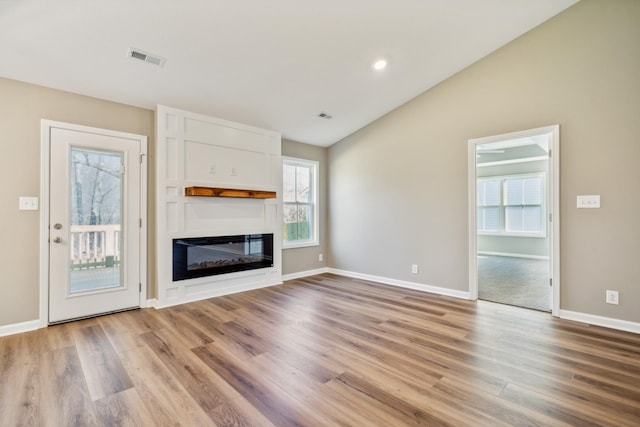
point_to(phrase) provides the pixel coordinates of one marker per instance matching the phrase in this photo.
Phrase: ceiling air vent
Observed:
(146, 57)
(324, 115)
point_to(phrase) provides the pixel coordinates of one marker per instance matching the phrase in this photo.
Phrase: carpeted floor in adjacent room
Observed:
(515, 281)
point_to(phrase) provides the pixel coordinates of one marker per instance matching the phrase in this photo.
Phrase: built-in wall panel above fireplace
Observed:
(198, 151)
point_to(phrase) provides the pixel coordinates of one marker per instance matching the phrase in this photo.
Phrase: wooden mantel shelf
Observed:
(228, 192)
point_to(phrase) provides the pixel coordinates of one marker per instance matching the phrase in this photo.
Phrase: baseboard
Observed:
(214, 293)
(607, 322)
(17, 328)
(403, 284)
(301, 274)
(151, 303)
(513, 255)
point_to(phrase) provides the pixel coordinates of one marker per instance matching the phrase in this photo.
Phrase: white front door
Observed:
(94, 222)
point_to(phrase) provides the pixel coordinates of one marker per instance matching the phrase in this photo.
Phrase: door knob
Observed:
(57, 226)
(57, 240)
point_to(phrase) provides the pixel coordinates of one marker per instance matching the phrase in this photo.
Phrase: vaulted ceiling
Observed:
(275, 64)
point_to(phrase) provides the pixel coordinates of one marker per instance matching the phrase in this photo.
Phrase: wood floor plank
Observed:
(190, 333)
(19, 374)
(118, 330)
(322, 351)
(64, 396)
(102, 368)
(123, 409)
(206, 387)
(160, 392)
(279, 409)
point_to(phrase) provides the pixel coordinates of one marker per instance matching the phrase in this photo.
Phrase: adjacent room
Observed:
(292, 213)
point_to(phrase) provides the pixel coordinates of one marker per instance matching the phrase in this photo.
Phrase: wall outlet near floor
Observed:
(414, 268)
(320, 257)
(612, 297)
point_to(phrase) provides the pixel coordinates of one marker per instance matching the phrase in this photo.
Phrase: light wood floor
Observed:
(322, 351)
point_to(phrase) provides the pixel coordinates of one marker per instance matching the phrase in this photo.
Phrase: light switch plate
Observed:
(28, 203)
(588, 202)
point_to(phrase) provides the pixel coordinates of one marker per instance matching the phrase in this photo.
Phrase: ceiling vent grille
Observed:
(140, 55)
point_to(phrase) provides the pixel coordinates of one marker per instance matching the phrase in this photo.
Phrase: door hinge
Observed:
(141, 156)
(140, 287)
(550, 282)
(140, 222)
(550, 217)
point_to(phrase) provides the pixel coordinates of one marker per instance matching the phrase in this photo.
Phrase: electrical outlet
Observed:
(612, 297)
(320, 257)
(414, 268)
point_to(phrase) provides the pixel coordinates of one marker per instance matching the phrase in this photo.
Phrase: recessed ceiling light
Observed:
(380, 64)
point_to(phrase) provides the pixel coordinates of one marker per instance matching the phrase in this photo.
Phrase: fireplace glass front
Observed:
(209, 256)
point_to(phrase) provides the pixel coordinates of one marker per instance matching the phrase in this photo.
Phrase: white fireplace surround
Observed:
(196, 150)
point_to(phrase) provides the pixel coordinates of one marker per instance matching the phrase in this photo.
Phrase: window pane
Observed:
(532, 218)
(303, 184)
(532, 192)
(524, 219)
(300, 203)
(513, 218)
(95, 240)
(525, 191)
(288, 183)
(297, 222)
(488, 193)
(489, 219)
(513, 192)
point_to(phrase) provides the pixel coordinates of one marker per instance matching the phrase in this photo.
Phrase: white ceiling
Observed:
(274, 64)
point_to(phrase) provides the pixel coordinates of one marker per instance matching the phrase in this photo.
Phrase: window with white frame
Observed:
(511, 205)
(300, 202)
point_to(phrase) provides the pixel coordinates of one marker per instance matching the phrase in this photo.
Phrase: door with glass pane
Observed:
(94, 224)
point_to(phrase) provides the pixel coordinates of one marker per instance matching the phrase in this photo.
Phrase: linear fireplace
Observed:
(209, 256)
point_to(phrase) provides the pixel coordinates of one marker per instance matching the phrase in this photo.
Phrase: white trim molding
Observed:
(607, 322)
(18, 328)
(403, 284)
(307, 273)
(553, 203)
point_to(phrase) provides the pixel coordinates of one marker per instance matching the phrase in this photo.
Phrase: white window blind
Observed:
(511, 205)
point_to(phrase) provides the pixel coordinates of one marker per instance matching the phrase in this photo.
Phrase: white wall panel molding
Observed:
(197, 150)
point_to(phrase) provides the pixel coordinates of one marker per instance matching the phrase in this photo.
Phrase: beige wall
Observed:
(296, 260)
(399, 186)
(22, 106)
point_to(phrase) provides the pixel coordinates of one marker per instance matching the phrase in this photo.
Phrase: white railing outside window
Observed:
(94, 246)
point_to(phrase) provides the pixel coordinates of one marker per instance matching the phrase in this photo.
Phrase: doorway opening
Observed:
(513, 217)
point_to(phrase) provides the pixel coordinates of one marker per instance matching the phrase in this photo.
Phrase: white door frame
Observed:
(553, 200)
(45, 142)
